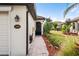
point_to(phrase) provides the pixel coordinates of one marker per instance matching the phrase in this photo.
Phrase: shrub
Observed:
(63, 28)
(55, 39)
(66, 27)
(47, 26)
(55, 25)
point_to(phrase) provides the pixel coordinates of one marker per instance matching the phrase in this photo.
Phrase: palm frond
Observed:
(70, 8)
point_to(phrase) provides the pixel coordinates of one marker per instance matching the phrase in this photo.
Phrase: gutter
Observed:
(27, 32)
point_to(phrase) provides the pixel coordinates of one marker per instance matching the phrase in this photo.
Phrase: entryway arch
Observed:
(38, 28)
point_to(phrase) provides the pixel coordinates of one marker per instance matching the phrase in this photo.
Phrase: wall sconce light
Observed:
(17, 18)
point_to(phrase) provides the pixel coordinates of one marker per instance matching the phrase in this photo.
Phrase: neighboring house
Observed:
(59, 26)
(39, 25)
(75, 25)
(17, 27)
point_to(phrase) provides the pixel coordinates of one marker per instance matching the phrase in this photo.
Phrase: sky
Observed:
(55, 11)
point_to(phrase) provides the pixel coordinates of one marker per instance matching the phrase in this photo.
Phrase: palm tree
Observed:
(70, 8)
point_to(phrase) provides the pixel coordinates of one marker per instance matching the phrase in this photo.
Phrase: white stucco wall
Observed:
(76, 26)
(5, 8)
(71, 28)
(31, 28)
(18, 36)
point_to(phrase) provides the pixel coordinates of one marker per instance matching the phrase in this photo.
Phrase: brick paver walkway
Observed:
(38, 47)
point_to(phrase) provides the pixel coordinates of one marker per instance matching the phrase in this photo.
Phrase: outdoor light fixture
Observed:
(17, 18)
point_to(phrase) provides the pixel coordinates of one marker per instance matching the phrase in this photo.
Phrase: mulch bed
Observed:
(70, 33)
(51, 49)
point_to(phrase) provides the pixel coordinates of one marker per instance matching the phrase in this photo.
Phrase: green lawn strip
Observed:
(55, 39)
(66, 42)
(69, 47)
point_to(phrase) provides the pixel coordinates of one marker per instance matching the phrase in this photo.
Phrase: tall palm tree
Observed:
(70, 8)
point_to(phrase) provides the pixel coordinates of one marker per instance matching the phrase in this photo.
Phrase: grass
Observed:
(66, 42)
(55, 38)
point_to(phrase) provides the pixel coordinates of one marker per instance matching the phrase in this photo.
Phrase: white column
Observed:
(76, 26)
(42, 28)
(71, 28)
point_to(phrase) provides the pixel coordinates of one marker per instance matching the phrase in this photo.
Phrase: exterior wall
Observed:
(5, 8)
(42, 24)
(18, 36)
(5, 17)
(31, 28)
(71, 28)
(76, 27)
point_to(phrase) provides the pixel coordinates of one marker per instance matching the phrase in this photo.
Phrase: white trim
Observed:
(9, 23)
(5, 8)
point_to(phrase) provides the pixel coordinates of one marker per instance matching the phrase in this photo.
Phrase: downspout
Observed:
(27, 32)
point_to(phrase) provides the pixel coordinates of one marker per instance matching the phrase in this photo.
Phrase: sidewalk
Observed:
(38, 47)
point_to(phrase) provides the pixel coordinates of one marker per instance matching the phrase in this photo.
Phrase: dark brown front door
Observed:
(38, 28)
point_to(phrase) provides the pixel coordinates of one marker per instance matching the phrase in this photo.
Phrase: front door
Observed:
(38, 28)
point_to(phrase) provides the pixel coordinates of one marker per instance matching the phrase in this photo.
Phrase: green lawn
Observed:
(66, 43)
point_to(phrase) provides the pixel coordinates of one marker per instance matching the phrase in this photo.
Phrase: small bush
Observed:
(66, 27)
(55, 25)
(47, 26)
(55, 39)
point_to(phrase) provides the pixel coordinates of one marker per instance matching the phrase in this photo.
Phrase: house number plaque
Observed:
(17, 26)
